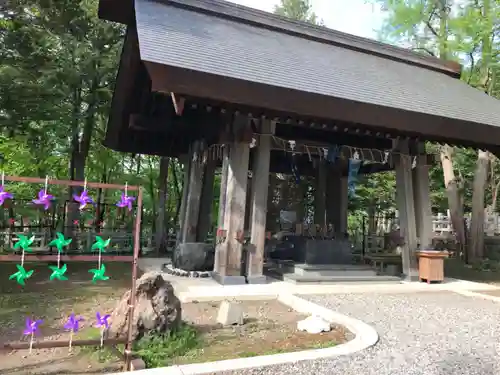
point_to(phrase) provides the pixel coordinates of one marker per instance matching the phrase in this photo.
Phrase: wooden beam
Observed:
(306, 104)
(66, 258)
(95, 185)
(23, 345)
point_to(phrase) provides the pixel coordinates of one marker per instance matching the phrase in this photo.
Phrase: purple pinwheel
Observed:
(31, 326)
(83, 199)
(73, 323)
(102, 321)
(43, 199)
(126, 201)
(4, 195)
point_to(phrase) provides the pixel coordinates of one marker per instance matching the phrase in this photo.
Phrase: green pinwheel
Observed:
(100, 244)
(60, 242)
(21, 275)
(58, 273)
(99, 274)
(24, 242)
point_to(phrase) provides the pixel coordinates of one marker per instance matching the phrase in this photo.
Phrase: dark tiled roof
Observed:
(200, 41)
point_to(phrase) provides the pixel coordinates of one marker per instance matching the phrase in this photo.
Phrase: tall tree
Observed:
(451, 30)
(300, 10)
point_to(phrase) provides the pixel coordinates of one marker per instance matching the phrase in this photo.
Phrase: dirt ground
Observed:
(54, 301)
(269, 328)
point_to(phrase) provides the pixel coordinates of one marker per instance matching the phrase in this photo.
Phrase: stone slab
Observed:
(230, 313)
(257, 279)
(229, 280)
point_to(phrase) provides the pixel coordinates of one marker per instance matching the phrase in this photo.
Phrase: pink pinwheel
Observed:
(32, 326)
(83, 199)
(43, 199)
(73, 323)
(126, 201)
(102, 321)
(4, 195)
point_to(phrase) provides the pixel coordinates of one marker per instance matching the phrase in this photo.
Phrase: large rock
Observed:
(194, 256)
(157, 309)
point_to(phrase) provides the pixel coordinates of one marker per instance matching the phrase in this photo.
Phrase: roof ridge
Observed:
(236, 12)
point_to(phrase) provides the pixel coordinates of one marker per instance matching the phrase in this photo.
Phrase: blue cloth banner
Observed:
(333, 153)
(352, 177)
(295, 170)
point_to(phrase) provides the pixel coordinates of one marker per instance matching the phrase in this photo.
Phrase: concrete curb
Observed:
(469, 293)
(365, 337)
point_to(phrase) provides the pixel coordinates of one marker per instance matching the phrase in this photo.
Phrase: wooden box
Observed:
(431, 265)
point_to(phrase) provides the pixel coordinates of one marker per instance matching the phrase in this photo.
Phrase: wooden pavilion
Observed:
(209, 81)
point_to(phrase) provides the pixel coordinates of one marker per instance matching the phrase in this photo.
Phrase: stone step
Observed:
(333, 270)
(297, 279)
(328, 273)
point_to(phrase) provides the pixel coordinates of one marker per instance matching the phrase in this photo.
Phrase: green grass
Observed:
(161, 350)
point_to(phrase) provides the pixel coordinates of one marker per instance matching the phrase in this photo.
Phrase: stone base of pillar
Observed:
(257, 279)
(412, 276)
(229, 280)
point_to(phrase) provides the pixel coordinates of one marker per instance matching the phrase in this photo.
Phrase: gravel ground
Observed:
(420, 334)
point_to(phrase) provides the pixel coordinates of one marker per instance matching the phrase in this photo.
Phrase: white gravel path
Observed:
(440, 333)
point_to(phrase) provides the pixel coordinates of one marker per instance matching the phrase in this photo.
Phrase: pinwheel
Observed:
(58, 272)
(100, 244)
(83, 199)
(102, 320)
(24, 243)
(21, 275)
(99, 273)
(72, 325)
(4, 195)
(31, 329)
(60, 243)
(102, 323)
(43, 199)
(126, 201)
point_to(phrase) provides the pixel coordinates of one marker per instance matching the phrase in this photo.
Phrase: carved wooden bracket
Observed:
(178, 103)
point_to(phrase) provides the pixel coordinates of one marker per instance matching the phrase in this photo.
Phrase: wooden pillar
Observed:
(230, 271)
(334, 198)
(406, 209)
(184, 160)
(248, 207)
(423, 210)
(343, 205)
(189, 229)
(319, 195)
(260, 189)
(207, 198)
(220, 250)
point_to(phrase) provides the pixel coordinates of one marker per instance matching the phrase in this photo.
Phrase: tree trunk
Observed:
(453, 194)
(161, 228)
(476, 244)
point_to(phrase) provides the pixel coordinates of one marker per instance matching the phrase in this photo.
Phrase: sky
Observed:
(353, 16)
